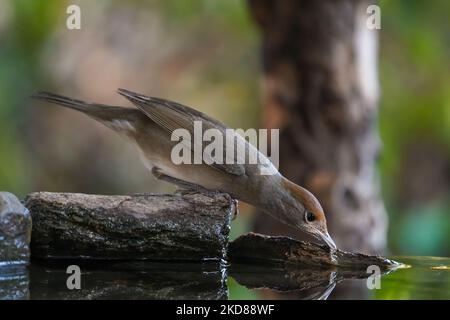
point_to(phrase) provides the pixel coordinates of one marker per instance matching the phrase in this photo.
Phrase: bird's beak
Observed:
(327, 239)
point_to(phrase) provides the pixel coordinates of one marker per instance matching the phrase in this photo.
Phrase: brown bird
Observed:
(154, 123)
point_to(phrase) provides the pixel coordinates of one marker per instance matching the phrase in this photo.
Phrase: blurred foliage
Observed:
(207, 55)
(193, 51)
(22, 33)
(415, 111)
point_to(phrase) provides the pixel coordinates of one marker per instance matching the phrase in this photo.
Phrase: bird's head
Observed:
(302, 210)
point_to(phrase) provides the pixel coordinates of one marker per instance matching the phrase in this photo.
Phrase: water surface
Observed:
(424, 278)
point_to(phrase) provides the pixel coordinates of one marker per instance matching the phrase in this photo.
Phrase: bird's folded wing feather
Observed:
(171, 116)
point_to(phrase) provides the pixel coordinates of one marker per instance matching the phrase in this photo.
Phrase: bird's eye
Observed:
(309, 216)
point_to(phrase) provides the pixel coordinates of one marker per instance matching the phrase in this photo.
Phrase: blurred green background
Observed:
(206, 54)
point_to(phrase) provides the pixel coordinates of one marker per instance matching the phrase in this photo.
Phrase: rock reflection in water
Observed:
(160, 280)
(281, 283)
(14, 282)
(129, 280)
(272, 282)
(157, 280)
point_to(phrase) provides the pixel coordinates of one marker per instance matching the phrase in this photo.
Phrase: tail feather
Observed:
(61, 100)
(117, 118)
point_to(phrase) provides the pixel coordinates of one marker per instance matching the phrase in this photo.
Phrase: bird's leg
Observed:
(184, 187)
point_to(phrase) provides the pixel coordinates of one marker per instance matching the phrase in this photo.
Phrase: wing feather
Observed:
(171, 116)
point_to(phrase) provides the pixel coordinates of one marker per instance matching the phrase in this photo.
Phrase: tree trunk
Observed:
(321, 89)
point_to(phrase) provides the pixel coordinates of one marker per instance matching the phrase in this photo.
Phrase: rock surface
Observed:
(190, 227)
(15, 231)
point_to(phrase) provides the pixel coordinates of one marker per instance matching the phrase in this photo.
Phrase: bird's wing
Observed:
(171, 116)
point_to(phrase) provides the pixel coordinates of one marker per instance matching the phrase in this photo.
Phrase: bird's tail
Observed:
(66, 102)
(116, 118)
